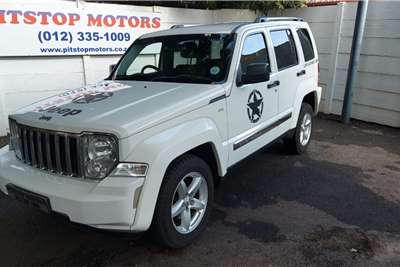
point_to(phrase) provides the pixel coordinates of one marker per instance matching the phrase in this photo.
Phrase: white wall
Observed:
(24, 80)
(377, 92)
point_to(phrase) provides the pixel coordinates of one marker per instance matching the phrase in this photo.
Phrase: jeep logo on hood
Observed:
(84, 95)
(92, 97)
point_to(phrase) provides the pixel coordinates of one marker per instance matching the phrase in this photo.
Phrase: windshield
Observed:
(195, 58)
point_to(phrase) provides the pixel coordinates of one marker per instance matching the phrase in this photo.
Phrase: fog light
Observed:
(130, 169)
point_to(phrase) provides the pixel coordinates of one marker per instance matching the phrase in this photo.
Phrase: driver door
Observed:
(251, 107)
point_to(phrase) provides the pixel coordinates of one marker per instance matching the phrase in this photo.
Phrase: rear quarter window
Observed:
(306, 44)
(285, 48)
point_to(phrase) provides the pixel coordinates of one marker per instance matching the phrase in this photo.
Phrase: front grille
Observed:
(53, 151)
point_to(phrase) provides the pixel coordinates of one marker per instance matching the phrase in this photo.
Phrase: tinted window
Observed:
(254, 51)
(285, 49)
(193, 58)
(306, 44)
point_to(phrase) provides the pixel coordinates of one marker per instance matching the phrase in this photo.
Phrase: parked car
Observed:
(144, 148)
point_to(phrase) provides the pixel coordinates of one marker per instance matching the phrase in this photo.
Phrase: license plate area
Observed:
(29, 198)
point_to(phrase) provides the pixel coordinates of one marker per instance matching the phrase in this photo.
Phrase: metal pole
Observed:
(359, 26)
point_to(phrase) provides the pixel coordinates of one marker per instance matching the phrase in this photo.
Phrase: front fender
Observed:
(161, 149)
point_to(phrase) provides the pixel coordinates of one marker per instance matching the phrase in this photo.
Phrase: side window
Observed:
(306, 44)
(285, 49)
(254, 51)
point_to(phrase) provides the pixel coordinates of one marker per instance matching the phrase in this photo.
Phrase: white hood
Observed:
(122, 108)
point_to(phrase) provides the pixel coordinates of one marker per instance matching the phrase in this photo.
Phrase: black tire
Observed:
(294, 143)
(162, 229)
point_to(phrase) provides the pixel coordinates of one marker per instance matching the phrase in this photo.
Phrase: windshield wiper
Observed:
(183, 78)
(123, 77)
(134, 77)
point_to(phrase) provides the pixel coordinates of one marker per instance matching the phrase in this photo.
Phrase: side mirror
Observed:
(254, 73)
(111, 68)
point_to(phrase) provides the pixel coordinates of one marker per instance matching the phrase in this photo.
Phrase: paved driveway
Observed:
(337, 205)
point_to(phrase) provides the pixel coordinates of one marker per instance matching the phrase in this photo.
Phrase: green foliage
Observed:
(264, 6)
(258, 6)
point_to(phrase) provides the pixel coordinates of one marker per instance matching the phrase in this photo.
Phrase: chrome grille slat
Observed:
(48, 153)
(78, 156)
(20, 145)
(68, 155)
(40, 149)
(32, 150)
(57, 153)
(25, 140)
(50, 150)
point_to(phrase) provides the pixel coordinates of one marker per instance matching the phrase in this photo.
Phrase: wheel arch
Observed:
(209, 154)
(311, 99)
(199, 137)
(307, 92)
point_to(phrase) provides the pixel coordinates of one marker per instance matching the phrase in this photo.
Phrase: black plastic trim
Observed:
(261, 132)
(216, 99)
(29, 198)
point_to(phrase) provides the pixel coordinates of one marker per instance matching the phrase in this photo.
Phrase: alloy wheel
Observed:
(305, 129)
(189, 202)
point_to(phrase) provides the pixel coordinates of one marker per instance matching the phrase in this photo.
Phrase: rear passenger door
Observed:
(289, 70)
(309, 56)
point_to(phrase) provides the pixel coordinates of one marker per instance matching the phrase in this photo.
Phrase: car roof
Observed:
(227, 27)
(197, 29)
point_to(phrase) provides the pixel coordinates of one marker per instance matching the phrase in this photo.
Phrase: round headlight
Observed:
(100, 154)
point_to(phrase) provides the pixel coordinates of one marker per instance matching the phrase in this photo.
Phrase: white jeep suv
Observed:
(143, 148)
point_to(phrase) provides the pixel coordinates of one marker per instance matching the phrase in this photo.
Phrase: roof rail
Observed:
(266, 19)
(177, 26)
(182, 25)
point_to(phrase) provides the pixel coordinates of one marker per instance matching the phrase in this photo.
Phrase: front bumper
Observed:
(108, 204)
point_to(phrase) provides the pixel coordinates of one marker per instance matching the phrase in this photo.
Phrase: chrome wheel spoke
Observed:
(195, 185)
(185, 219)
(182, 189)
(177, 208)
(197, 204)
(308, 132)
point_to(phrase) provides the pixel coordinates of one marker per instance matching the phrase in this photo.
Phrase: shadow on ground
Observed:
(333, 188)
(260, 207)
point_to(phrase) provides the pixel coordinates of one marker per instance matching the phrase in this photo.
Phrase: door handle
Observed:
(300, 73)
(274, 84)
